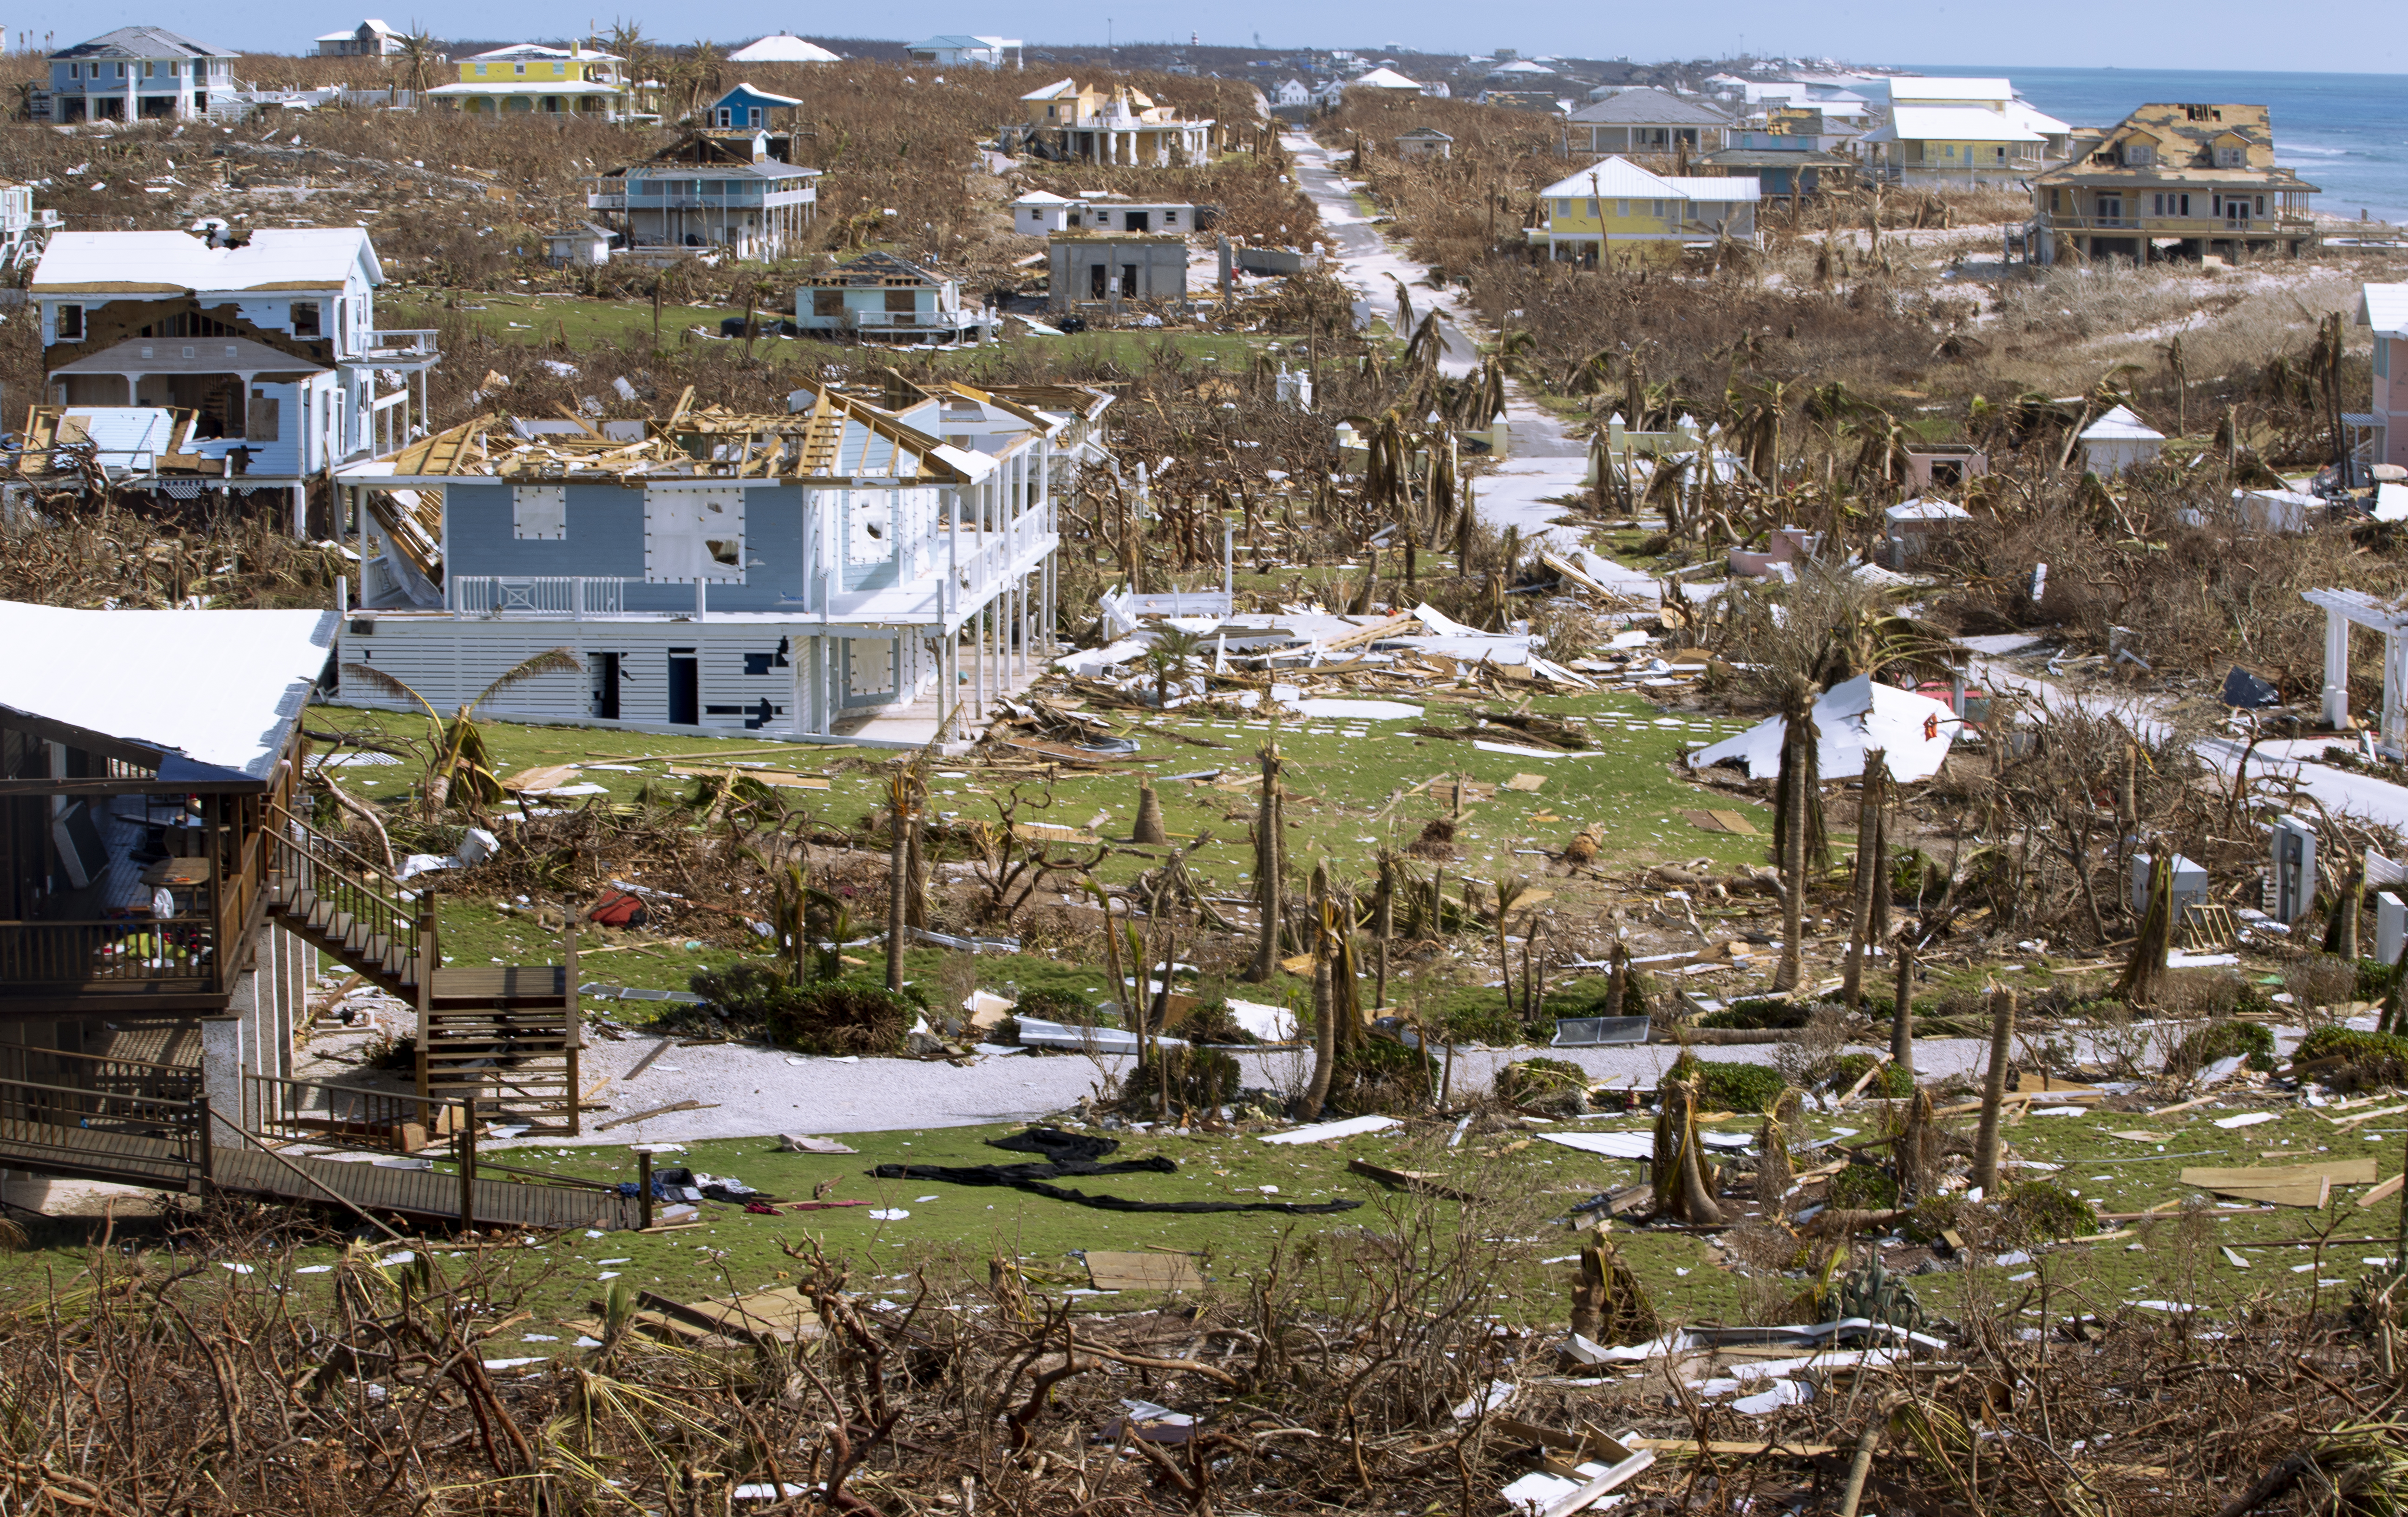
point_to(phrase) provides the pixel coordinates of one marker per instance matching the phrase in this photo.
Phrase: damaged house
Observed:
(1118, 126)
(881, 297)
(261, 362)
(777, 574)
(726, 190)
(134, 74)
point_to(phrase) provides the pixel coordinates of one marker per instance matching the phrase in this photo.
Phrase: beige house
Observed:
(2175, 181)
(1118, 126)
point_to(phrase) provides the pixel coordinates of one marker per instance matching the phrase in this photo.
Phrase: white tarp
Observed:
(1913, 731)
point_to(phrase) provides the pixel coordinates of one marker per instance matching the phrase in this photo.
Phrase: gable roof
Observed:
(165, 263)
(142, 42)
(1651, 106)
(1951, 123)
(1382, 78)
(874, 268)
(102, 672)
(1423, 134)
(755, 93)
(1054, 91)
(2383, 308)
(2121, 425)
(2186, 136)
(784, 49)
(1610, 179)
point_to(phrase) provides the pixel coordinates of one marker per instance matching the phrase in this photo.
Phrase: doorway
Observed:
(1137, 221)
(1097, 276)
(685, 688)
(606, 686)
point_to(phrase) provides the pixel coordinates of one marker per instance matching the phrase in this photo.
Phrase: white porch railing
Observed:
(573, 596)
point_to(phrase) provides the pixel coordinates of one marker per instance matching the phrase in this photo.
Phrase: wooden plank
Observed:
(1734, 823)
(2383, 1192)
(1421, 1182)
(1111, 1270)
(656, 1111)
(544, 777)
(781, 779)
(2339, 1172)
(1694, 1446)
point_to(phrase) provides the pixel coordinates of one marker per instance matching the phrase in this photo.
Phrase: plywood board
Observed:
(780, 779)
(1419, 1181)
(543, 777)
(2339, 1172)
(1525, 782)
(1114, 1271)
(1734, 823)
(1048, 832)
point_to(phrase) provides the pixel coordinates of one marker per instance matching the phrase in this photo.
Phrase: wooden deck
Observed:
(417, 1196)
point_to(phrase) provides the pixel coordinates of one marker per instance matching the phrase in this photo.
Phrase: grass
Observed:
(956, 1228)
(1346, 780)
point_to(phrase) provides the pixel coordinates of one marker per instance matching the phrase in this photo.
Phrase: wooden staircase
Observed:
(506, 1036)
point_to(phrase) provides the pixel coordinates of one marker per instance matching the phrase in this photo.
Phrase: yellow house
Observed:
(529, 79)
(1616, 212)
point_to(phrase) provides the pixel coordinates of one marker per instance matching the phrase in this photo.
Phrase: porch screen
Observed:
(693, 534)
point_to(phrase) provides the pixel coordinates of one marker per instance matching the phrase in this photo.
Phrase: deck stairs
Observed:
(505, 1036)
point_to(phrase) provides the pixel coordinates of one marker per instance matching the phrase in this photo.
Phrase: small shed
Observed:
(1041, 212)
(1427, 142)
(1943, 465)
(1913, 525)
(2118, 441)
(578, 243)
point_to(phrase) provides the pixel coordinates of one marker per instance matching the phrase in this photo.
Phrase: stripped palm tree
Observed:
(419, 52)
(461, 764)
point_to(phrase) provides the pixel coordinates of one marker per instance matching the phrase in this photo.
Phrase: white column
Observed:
(2395, 681)
(2336, 691)
(300, 512)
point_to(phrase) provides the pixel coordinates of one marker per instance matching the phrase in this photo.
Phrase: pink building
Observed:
(2385, 307)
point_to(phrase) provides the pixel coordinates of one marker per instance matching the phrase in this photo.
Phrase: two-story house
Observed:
(1118, 126)
(2175, 181)
(881, 297)
(2383, 308)
(1615, 212)
(1966, 133)
(530, 79)
(1788, 155)
(716, 190)
(956, 51)
(788, 576)
(370, 38)
(271, 347)
(136, 73)
(1647, 119)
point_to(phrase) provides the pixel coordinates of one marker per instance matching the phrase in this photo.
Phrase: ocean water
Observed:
(2346, 133)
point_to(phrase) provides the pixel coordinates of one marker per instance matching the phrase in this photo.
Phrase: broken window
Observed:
(71, 324)
(264, 421)
(693, 535)
(828, 303)
(305, 319)
(901, 300)
(539, 513)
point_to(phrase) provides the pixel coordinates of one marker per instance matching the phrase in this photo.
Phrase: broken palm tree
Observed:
(1682, 1190)
(1872, 874)
(459, 769)
(2144, 972)
(1609, 1305)
(1994, 1093)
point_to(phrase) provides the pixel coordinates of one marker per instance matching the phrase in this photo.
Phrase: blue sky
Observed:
(2364, 36)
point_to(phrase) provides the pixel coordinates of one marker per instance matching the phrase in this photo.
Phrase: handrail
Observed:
(278, 1107)
(303, 853)
(181, 1071)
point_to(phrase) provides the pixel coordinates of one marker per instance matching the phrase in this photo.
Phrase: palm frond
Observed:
(553, 661)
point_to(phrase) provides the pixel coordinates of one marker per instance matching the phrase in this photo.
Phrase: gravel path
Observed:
(760, 1091)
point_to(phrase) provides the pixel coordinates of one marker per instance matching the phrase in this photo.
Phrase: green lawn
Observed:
(954, 1229)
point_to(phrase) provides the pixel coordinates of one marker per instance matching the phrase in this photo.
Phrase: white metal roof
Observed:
(1951, 123)
(1046, 197)
(1710, 187)
(1926, 509)
(1385, 78)
(2383, 308)
(292, 258)
(222, 689)
(2121, 425)
(2031, 120)
(1920, 88)
(1612, 178)
(782, 49)
(536, 50)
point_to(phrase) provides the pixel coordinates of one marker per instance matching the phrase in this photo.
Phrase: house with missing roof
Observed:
(370, 38)
(190, 366)
(529, 79)
(881, 297)
(1424, 142)
(791, 575)
(1041, 212)
(2175, 181)
(724, 190)
(1615, 212)
(1119, 125)
(134, 73)
(1968, 133)
(1647, 119)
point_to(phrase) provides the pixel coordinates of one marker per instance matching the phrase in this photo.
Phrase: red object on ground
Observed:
(618, 909)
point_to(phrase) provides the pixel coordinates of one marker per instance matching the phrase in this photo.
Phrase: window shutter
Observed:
(539, 513)
(693, 534)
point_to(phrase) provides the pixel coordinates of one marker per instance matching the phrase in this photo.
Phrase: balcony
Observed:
(2277, 225)
(407, 349)
(550, 597)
